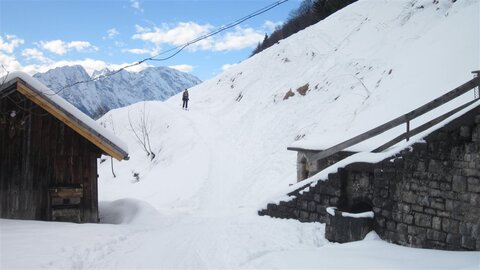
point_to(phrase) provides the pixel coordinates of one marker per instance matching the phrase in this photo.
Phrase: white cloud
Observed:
(111, 33)
(137, 51)
(136, 5)
(55, 46)
(10, 43)
(185, 32)
(32, 53)
(227, 66)
(270, 26)
(180, 34)
(183, 68)
(240, 39)
(9, 63)
(61, 47)
(140, 29)
(81, 45)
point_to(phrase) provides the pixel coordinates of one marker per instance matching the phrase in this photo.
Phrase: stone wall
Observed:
(427, 196)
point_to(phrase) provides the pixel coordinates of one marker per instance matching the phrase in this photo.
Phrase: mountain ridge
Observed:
(96, 97)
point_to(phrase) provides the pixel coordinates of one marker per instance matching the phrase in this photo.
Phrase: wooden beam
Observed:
(70, 121)
(402, 119)
(300, 149)
(423, 127)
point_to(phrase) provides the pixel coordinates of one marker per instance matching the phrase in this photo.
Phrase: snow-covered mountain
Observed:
(195, 204)
(121, 89)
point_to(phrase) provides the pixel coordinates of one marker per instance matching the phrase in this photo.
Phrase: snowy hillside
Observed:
(195, 204)
(119, 90)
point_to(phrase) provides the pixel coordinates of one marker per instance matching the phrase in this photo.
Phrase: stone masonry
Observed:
(427, 196)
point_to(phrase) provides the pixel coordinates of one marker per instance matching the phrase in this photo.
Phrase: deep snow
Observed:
(195, 204)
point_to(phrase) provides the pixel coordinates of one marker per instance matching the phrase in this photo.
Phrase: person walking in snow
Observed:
(185, 99)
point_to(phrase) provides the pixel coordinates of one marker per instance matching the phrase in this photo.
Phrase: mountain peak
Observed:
(120, 89)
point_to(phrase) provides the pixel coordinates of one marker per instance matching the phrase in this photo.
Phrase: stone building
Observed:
(427, 195)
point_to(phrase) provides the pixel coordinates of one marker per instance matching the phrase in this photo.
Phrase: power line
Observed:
(178, 48)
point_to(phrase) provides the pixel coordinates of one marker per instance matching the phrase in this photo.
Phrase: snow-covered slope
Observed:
(194, 205)
(121, 89)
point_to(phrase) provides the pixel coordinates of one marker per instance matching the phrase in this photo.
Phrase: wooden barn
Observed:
(48, 154)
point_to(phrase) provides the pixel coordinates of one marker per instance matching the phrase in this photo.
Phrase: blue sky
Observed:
(38, 35)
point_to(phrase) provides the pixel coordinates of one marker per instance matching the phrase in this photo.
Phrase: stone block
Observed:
(437, 205)
(408, 197)
(321, 210)
(444, 214)
(436, 235)
(454, 239)
(316, 197)
(304, 215)
(423, 200)
(471, 172)
(408, 219)
(417, 208)
(303, 204)
(468, 242)
(312, 206)
(459, 183)
(465, 228)
(405, 208)
(421, 166)
(402, 228)
(476, 231)
(397, 216)
(429, 211)
(477, 119)
(475, 199)
(333, 201)
(445, 186)
(473, 185)
(436, 223)
(313, 217)
(423, 220)
(450, 225)
(380, 222)
(465, 197)
(435, 166)
(391, 226)
(418, 232)
(465, 132)
(433, 184)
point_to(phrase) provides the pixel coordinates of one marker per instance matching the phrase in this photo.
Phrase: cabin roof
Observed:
(65, 112)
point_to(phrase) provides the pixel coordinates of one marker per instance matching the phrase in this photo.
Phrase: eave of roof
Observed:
(66, 113)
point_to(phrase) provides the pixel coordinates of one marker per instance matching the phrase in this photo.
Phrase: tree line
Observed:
(309, 12)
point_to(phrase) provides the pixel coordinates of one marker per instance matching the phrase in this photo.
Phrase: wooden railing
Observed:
(406, 118)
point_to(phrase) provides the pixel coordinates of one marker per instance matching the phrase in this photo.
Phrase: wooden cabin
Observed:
(48, 154)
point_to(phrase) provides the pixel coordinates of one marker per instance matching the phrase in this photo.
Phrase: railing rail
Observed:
(406, 118)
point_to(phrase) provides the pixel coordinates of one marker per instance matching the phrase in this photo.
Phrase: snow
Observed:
(195, 205)
(51, 96)
(368, 214)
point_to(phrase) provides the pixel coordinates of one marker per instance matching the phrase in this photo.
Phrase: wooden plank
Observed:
(62, 192)
(400, 120)
(300, 149)
(86, 132)
(422, 128)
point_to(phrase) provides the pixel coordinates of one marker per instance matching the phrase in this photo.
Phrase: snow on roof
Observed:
(74, 114)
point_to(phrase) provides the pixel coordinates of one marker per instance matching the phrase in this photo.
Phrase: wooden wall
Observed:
(41, 153)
